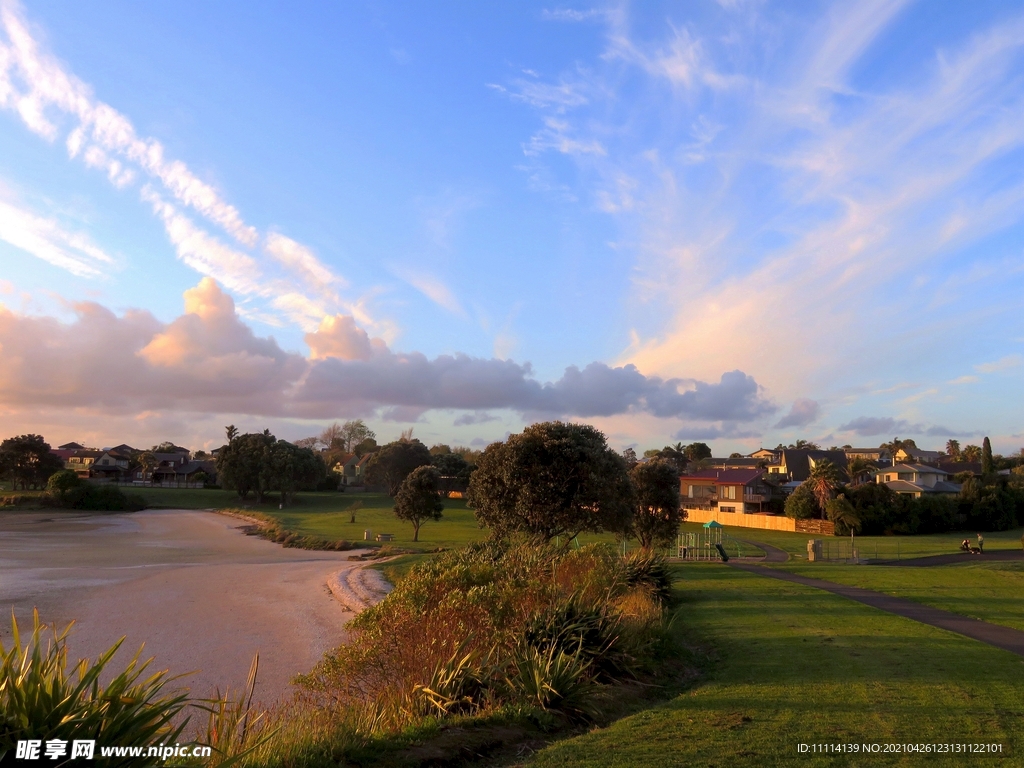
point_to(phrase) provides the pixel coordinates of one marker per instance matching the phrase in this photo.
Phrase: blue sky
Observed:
(792, 221)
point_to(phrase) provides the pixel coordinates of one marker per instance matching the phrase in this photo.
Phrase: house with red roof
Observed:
(727, 490)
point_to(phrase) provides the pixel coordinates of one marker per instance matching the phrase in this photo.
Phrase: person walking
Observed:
(981, 543)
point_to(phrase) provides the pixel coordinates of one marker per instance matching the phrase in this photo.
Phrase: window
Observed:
(689, 488)
(727, 509)
(728, 492)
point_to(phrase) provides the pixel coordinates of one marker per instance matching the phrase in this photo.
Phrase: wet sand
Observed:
(199, 594)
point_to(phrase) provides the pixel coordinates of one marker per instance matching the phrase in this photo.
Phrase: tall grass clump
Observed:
(42, 698)
(505, 629)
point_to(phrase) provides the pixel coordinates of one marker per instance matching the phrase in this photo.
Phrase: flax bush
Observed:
(496, 626)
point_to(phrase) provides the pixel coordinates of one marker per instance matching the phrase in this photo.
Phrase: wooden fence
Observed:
(764, 522)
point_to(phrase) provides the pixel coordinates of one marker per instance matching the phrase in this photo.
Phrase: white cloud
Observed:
(49, 240)
(1002, 364)
(38, 87)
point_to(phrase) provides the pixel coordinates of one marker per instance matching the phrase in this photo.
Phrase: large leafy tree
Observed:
(553, 479)
(243, 464)
(390, 465)
(657, 514)
(26, 460)
(697, 451)
(419, 498)
(801, 504)
(293, 468)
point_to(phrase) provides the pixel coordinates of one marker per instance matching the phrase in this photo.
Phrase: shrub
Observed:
(40, 698)
(61, 483)
(585, 631)
(103, 498)
(650, 570)
(554, 681)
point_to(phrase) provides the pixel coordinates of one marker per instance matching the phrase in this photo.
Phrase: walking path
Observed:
(957, 557)
(1001, 637)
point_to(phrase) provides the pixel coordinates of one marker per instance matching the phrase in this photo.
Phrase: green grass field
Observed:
(987, 591)
(786, 664)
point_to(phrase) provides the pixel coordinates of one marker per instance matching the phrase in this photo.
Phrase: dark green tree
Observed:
(697, 451)
(554, 479)
(292, 469)
(62, 482)
(390, 465)
(657, 512)
(243, 465)
(986, 456)
(26, 460)
(419, 498)
(801, 503)
(369, 445)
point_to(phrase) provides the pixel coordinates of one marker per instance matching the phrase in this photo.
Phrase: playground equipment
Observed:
(708, 544)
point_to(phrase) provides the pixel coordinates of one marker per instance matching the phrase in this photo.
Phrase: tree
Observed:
(308, 442)
(553, 479)
(986, 456)
(735, 455)
(419, 499)
(842, 514)
(971, 454)
(292, 468)
(801, 503)
(147, 463)
(394, 462)
(823, 481)
(893, 447)
(657, 512)
(676, 456)
(953, 449)
(355, 432)
(629, 456)
(857, 467)
(27, 460)
(231, 431)
(63, 482)
(697, 451)
(369, 445)
(451, 465)
(805, 445)
(243, 464)
(440, 449)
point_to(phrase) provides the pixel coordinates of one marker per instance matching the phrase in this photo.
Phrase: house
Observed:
(71, 447)
(360, 469)
(170, 463)
(111, 465)
(766, 454)
(728, 490)
(346, 467)
(956, 467)
(797, 463)
(743, 463)
(187, 472)
(919, 455)
(916, 479)
(870, 454)
(80, 461)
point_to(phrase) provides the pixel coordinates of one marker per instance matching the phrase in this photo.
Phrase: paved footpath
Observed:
(1008, 639)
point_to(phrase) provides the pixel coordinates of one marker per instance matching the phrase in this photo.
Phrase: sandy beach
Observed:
(200, 594)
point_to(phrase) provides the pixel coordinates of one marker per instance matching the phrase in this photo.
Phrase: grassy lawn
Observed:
(787, 664)
(886, 546)
(987, 591)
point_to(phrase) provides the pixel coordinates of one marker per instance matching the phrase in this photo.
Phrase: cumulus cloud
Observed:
(802, 413)
(209, 360)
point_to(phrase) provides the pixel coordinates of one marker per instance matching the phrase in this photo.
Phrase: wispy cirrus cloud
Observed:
(778, 182)
(52, 241)
(52, 102)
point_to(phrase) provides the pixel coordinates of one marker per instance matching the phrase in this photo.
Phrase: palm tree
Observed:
(953, 449)
(232, 432)
(857, 467)
(893, 448)
(825, 477)
(841, 512)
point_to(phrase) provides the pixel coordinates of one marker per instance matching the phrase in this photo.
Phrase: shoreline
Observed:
(199, 592)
